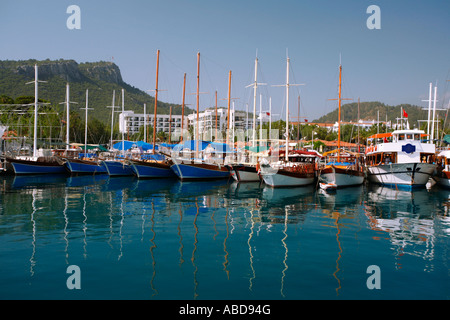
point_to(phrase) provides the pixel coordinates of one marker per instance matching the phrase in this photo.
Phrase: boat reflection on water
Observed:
(220, 239)
(38, 181)
(408, 218)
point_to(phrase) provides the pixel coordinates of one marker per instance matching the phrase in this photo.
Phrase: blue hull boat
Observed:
(200, 171)
(117, 168)
(78, 167)
(144, 169)
(39, 166)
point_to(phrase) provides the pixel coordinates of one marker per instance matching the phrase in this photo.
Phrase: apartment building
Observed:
(130, 122)
(239, 120)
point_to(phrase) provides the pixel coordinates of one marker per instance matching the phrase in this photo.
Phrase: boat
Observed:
(292, 168)
(341, 168)
(207, 165)
(344, 168)
(153, 165)
(37, 165)
(442, 175)
(87, 163)
(42, 161)
(299, 170)
(200, 165)
(117, 168)
(328, 186)
(404, 162)
(117, 165)
(244, 172)
(247, 172)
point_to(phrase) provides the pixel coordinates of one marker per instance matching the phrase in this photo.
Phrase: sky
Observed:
(393, 64)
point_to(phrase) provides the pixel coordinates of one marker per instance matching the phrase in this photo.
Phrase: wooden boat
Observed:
(299, 170)
(442, 175)
(247, 172)
(342, 169)
(293, 168)
(154, 165)
(84, 166)
(37, 164)
(197, 167)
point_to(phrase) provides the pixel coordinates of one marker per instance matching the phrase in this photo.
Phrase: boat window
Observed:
(401, 137)
(416, 136)
(409, 136)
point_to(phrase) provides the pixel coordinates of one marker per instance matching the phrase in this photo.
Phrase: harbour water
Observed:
(167, 240)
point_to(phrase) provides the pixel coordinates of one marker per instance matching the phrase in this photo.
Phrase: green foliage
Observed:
(371, 111)
(101, 78)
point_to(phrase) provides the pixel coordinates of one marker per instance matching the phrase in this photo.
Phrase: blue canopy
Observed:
(130, 144)
(221, 147)
(167, 145)
(126, 145)
(192, 145)
(145, 145)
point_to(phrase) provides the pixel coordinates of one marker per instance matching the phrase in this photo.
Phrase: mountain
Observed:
(101, 78)
(371, 110)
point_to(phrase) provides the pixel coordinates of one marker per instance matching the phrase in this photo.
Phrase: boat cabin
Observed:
(400, 146)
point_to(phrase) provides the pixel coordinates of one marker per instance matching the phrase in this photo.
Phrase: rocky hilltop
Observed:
(69, 70)
(101, 78)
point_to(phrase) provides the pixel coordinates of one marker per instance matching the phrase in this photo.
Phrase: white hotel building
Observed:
(130, 122)
(238, 120)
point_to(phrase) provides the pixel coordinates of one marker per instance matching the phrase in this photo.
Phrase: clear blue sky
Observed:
(394, 64)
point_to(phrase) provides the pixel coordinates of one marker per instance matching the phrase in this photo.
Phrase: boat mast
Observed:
(228, 111)
(429, 111)
(112, 117)
(287, 110)
(156, 102)
(123, 121)
(35, 109)
(197, 103)
(145, 122)
(434, 114)
(216, 117)
(67, 103)
(170, 125)
(339, 116)
(86, 121)
(287, 85)
(255, 85)
(67, 116)
(182, 108)
(36, 104)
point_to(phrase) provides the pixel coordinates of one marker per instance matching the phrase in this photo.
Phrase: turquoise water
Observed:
(156, 239)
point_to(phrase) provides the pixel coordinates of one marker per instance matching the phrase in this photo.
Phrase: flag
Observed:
(405, 114)
(306, 120)
(268, 113)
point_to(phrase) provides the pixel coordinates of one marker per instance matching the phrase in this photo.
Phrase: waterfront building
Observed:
(130, 122)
